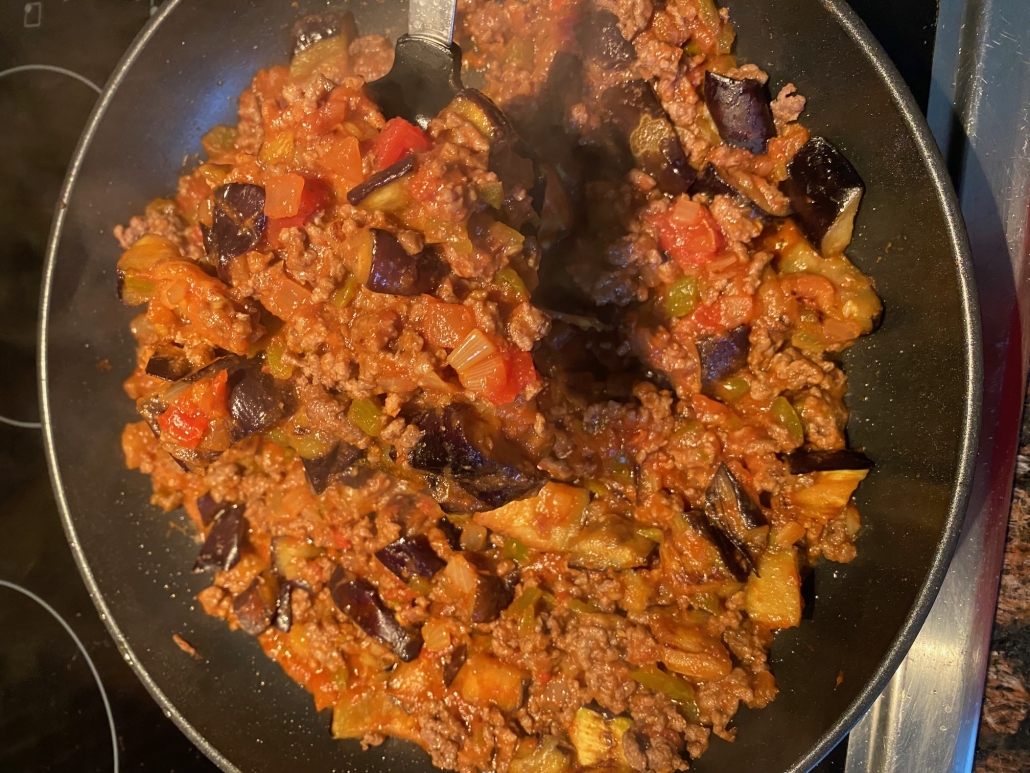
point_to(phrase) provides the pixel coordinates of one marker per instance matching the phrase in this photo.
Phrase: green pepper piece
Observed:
(785, 414)
(679, 691)
(681, 297)
(366, 416)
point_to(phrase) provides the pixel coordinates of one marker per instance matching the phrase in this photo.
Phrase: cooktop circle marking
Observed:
(52, 68)
(87, 82)
(82, 649)
(20, 424)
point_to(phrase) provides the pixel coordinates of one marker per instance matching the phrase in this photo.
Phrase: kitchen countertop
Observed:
(1003, 745)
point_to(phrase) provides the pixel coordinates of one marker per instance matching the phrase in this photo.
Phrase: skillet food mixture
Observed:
(527, 540)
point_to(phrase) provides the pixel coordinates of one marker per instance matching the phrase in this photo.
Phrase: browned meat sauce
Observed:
(512, 436)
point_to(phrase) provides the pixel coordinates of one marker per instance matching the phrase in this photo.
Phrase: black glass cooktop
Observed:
(67, 700)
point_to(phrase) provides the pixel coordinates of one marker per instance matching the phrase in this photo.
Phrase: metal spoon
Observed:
(426, 72)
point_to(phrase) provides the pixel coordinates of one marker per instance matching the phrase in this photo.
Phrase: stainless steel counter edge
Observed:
(928, 717)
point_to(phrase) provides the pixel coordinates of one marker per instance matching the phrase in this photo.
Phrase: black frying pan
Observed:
(915, 390)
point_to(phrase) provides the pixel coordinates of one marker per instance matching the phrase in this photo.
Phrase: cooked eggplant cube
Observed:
(209, 508)
(257, 402)
(638, 116)
(256, 605)
(338, 461)
(290, 554)
(393, 270)
(548, 521)
(283, 618)
(237, 221)
(611, 544)
(722, 356)
(458, 444)
(711, 183)
(316, 28)
(479, 110)
(492, 597)
(773, 598)
(825, 191)
(740, 110)
(221, 549)
(454, 663)
(732, 511)
(450, 532)
(360, 601)
(169, 366)
(485, 681)
(380, 180)
(410, 557)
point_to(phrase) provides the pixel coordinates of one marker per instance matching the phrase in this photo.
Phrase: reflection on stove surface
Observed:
(49, 660)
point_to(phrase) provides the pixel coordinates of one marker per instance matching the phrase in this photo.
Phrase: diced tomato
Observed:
(212, 395)
(519, 373)
(397, 140)
(269, 83)
(342, 157)
(688, 233)
(184, 423)
(708, 318)
(442, 324)
(283, 195)
(314, 198)
(188, 418)
(340, 540)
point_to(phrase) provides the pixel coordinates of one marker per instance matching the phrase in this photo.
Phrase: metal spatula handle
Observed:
(433, 19)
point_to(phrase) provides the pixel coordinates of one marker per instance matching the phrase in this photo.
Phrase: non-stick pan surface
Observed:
(914, 390)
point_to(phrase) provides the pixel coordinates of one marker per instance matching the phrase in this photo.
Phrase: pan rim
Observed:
(916, 124)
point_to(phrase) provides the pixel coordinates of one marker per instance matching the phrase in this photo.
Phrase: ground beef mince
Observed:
(488, 428)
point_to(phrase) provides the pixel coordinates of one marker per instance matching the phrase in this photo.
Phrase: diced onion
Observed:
(478, 363)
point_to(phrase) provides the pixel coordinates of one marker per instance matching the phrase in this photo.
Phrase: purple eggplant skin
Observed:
(256, 605)
(731, 510)
(221, 549)
(376, 181)
(393, 270)
(740, 110)
(493, 596)
(635, 112)
(825, 191)
(338, 461)
(209, 508)
(727, 550)
(711, 183)
(237, 222)
(283, 618)
(602, 41)
(257, 402)
(456, 443)
(502, 129)
(410, 557)
(169, 366)
(803, 461)
(454, 663)
(359, 600)
(722, 356)
(450, 532)
(431, 270)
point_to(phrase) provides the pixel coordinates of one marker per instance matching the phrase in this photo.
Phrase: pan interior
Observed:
(911, 392)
